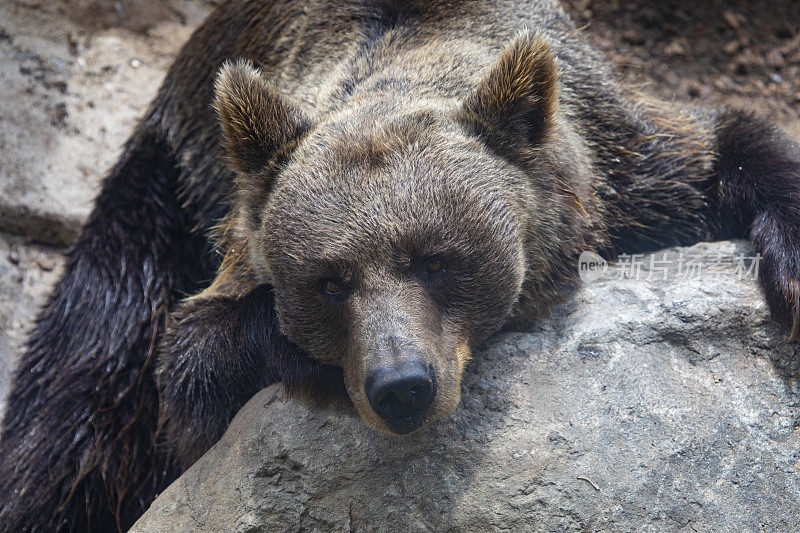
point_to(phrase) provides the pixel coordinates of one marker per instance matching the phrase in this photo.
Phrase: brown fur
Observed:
(514, 106)
(512, 109)
(529, 152)
(364, 139)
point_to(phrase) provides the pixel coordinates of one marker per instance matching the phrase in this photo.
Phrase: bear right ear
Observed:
(258, 126)
(516, 103)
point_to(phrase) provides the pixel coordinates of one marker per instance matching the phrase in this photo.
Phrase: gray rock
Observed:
(642, 404)
(26, 275)
(71, 97)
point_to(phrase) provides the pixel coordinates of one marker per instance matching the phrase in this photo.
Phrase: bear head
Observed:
(393, 233)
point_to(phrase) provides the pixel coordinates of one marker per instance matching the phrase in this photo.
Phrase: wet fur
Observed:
(81, 445)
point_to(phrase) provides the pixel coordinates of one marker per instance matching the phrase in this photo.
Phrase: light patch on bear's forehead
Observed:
(409, 182)
(373, 135)
(419, 191)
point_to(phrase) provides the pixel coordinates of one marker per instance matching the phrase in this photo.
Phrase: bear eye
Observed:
(332, 288)
(434, 265)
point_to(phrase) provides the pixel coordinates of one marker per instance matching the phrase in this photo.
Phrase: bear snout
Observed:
(402, 393)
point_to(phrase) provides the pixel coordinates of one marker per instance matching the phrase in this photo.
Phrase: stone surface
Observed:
(642, 404)
(27, 273)
(71, 96)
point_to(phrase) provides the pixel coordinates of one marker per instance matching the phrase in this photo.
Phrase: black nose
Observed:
(400, 394)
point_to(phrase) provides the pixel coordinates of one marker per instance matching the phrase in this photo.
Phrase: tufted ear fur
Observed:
(517, 101)
(259, 127)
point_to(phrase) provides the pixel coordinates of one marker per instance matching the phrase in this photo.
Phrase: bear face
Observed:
(395, 260)
(394, 234)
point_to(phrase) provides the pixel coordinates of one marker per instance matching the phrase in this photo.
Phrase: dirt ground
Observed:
(743, 53)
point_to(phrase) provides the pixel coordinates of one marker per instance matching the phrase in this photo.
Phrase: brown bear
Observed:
(380, 186)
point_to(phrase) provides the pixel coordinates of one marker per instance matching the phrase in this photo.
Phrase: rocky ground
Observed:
(678, 400)
(742, 53)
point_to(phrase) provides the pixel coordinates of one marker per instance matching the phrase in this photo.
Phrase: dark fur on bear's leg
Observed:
(759, 196)
(206, 372)
(78, 446)
(217, 353)
(677, 178)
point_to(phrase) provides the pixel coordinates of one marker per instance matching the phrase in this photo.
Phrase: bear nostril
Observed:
(388, 404)
(404, 402)
(401, 395)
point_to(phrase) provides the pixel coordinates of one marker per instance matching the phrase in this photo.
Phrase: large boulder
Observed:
(641, 404)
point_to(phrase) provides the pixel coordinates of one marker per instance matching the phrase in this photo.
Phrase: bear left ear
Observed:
(517, 101)
(258, 126)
